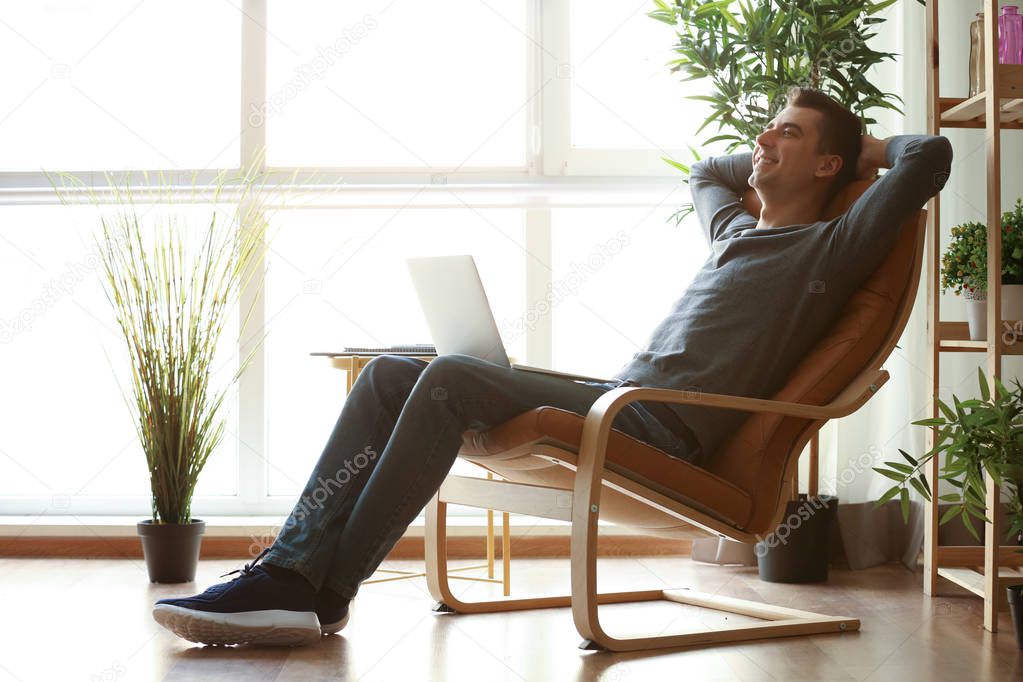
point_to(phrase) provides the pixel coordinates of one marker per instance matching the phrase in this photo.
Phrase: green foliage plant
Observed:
(974, 437)
(751, 53)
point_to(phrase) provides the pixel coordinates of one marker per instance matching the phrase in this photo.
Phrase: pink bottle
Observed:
(1010, 36)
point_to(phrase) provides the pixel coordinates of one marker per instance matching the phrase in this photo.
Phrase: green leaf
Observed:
(920, 488)
(878, 6)
(899, 466)
(969, 525)
(949, 514)
(845, 20)
(946, 410)
(889, 494)
(676, 164)
(904, 503)
(721, 138)
(890, 474)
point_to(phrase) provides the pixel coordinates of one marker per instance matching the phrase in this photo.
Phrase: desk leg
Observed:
(506, 556)
(490, 536)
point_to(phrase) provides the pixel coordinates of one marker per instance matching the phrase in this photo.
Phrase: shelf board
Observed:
(954, 337)
(973, 581)
(1013, 111)
(957, 112)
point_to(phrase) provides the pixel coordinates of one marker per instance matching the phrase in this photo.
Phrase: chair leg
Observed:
(781, 621)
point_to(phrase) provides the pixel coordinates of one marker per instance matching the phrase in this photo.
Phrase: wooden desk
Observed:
(352, 364)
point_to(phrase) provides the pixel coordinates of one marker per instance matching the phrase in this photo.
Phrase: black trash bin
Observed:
(799, 549)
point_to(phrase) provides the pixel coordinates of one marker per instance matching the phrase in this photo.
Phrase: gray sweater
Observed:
(765, 296)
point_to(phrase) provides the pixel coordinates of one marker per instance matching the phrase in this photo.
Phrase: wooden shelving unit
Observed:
(982, 570)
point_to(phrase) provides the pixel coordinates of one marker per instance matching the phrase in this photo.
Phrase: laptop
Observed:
(458, 313)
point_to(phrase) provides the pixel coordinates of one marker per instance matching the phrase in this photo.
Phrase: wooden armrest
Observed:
(848, 401)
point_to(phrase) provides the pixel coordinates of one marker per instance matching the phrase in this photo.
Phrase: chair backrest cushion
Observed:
(756, 457)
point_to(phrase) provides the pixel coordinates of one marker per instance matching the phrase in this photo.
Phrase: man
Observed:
(769, 290)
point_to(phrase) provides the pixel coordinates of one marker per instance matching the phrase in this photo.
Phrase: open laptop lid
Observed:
(456, 307)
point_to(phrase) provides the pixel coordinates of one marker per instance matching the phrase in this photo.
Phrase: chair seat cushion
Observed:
(626, 456)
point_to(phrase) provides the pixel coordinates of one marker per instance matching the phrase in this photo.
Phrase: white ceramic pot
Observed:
(976, 314)
(1012, 311)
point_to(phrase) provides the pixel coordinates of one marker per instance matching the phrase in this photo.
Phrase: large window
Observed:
(526, 133)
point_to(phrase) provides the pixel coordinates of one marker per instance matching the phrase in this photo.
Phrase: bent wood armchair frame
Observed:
(580, 505)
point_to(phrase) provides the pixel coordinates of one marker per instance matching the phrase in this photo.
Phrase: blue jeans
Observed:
(397, 436)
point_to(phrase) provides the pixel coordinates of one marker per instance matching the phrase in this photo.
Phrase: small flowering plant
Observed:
(964, 263)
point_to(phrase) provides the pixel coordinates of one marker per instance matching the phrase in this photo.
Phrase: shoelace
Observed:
(247, 569)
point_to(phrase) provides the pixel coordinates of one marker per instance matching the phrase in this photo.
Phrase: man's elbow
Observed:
(700, 170)
(943, 160)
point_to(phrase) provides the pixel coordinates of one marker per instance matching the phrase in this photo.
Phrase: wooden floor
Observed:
(80, 619)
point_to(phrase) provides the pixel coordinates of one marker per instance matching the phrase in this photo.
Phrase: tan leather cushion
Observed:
(625, 455)
(755, 458)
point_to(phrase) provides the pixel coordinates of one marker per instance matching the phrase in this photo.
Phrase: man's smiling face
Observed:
(786, 155)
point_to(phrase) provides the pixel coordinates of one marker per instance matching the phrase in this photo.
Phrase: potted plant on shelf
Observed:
(964, 270)
(172, 294)
(976, 436)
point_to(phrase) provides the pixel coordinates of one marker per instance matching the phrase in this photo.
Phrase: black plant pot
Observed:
(1015, 593)
(171, 549)
(798, 551)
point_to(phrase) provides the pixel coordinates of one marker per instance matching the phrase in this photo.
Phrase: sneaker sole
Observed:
(337, 626)
(272, 628)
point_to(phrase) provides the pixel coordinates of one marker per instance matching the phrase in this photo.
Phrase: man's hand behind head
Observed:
(872, 157)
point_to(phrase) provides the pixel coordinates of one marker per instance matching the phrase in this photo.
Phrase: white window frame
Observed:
(555, 175)
(562, 157)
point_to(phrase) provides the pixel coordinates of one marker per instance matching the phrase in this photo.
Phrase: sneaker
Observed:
(332, 611)
(254, 608)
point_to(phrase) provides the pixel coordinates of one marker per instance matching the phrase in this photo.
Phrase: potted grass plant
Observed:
(974, 437)
(964, 271)
(173, 281)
